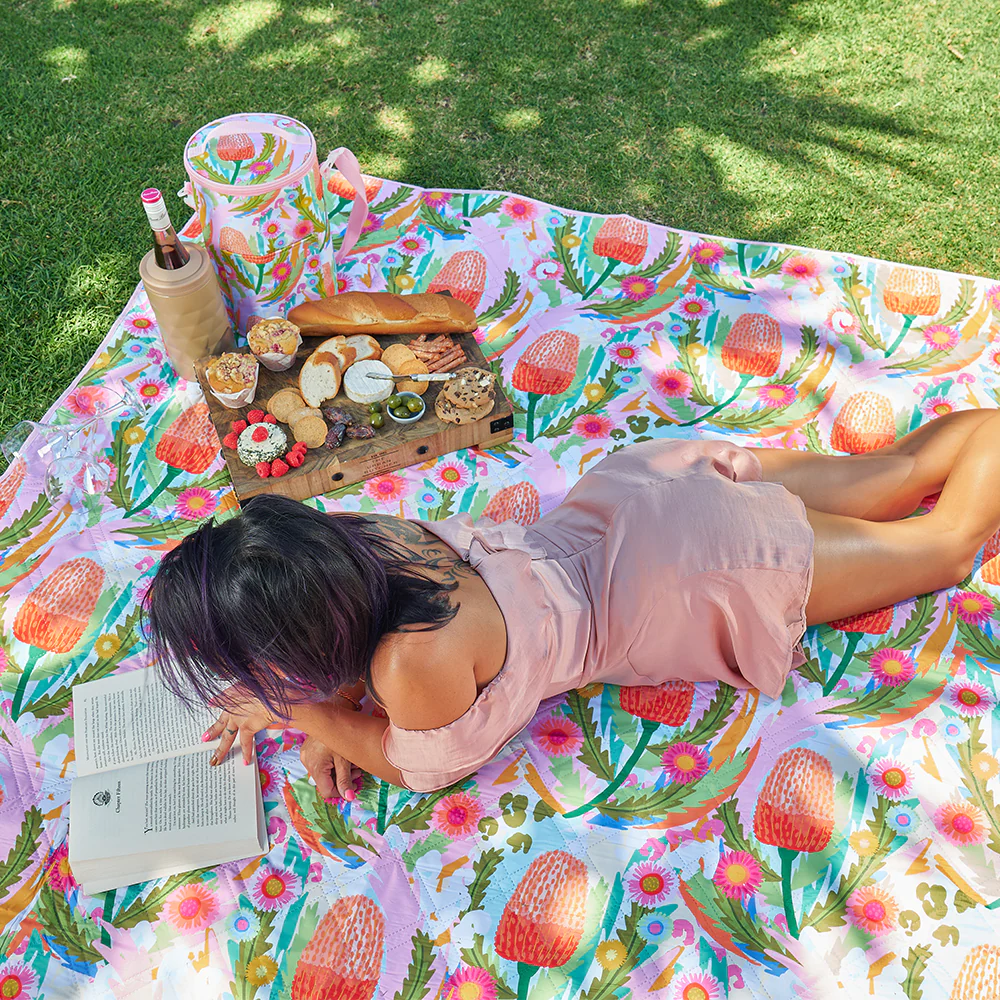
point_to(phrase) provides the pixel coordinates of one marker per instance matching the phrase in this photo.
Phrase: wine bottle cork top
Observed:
(151, 195)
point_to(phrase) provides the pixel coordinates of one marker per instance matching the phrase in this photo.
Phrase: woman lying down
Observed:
(694, 560)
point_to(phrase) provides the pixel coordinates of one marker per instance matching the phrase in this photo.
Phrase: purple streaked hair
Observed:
(287, 602)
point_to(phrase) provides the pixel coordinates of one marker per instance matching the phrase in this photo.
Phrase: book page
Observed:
(131, 719)
(166, 807)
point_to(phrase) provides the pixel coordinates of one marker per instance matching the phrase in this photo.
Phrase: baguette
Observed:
(382, 312)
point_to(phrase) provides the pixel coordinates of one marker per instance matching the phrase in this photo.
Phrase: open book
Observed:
(145, 802)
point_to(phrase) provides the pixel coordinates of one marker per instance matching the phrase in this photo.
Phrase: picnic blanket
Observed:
(685, 842)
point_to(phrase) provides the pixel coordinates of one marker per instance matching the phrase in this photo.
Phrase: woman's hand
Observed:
(333, 775)
(244, 717)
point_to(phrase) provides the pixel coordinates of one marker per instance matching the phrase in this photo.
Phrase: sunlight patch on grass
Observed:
(67, 60)
(230, 25)
(385, 165)
(433, 69)
(319, 15)
(396, 121)
(289, 57)
(520, 120)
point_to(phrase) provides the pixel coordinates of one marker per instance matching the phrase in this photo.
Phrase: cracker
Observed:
(311, 431)
(283, 402)
(396, 355)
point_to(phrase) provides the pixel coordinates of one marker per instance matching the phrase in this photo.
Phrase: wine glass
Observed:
(79, 473)
(37, 442)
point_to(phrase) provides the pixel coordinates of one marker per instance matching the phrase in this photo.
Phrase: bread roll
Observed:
(319, 379)
(382, 312)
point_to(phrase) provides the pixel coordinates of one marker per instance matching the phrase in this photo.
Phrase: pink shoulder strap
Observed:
(347, 163)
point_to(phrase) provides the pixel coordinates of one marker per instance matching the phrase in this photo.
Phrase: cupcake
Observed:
(261, 443)
(275, 342)
(233, 379)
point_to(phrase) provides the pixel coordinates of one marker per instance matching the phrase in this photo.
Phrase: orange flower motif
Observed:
(238, 146)
(54, 615)
(519, 503)
(623, 239)
(464, 275)
(753, 345)
(548, 366)
(343, 959)
(668, 703)
(190, 442)
(234, 242)
(339, 185)
(990, 570)
(10, 484)
(795, 806)
(543, 921)
(979, 976)
(865, 423)
(870, 622)
(873, 910)
(912, 292)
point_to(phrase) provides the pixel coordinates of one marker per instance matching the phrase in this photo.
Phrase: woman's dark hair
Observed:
(283, 595)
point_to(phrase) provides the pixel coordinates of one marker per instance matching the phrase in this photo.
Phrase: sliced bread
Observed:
(366, 348)
(321, 372)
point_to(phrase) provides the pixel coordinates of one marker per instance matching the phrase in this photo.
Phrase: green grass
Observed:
(868, 127)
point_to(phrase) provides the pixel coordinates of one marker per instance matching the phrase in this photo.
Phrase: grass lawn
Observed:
(859, 126)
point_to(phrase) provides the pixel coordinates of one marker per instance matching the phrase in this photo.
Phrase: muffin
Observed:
(232, 377)
(275, 342)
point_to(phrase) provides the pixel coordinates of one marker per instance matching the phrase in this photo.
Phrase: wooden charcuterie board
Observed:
(395, 446)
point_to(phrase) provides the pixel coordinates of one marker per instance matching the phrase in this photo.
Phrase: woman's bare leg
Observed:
(883, 485)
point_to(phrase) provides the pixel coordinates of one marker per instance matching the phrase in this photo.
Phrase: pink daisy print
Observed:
(707, 252)
(86, 401)
(59, 874)
(842, 320)
(274, 888)
(685, 762)
(195, 502)
(151, 390)
(260, 167)
(268, 775)
(940, 338)
(776, 395)
(738, 875)
(191, 908)
(519, 209)
(386, 489)
(558, 735)
(637, 289)
(993, 357)
(17, 981)
(937, 406)
(139, 323)
(593, 426)
(313, 263)
(970, 698)
(625, 355)
(697, 986)
(993, 297)
(371, 223)
(546, 269)
(691, 307)
(891, 778)
(972, 608)
(345, 283)
(451, 476)
(458, 815)
(800, 266)
(961, 822)
(672, 382)
(892, 667)
(873, 909)
(649, 884)
(436, 199)
(469, 983)
(281, 271)
(411, 245)
(271, 228)
(303, 229)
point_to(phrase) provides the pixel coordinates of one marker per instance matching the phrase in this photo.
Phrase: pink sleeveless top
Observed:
(668, 560)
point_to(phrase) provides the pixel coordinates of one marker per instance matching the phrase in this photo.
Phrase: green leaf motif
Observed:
(25, 524)
(483, 868)
(610, 980)
(391, 201)
(161, 531)
(148, 907)
(721, 282)
(71, 931)
(418, 974)
(570, 277)
(811, 431)
(802, 360)
(593, 754)
(416, 815)
(664, 259)
(436, 220)
(914, 964)
(22, 851)
(476, 957)
(487, 207)
(512, 285)
(736, 840)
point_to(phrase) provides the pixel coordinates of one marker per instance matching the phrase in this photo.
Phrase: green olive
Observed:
(401, 413)
(377, 420)
(414, 405)
(392, 402)
(374, 407)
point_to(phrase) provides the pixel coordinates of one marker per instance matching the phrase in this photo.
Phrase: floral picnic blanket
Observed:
(689, 843)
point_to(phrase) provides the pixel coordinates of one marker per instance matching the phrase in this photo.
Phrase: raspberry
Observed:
(300, 446)
(255, 416)
(278, 468)
(238, 426)
(295, 458)
(230, 439)
(259, 434)
(270, 418)
(263, 469)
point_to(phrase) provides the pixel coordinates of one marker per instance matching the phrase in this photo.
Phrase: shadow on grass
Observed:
(667, 111)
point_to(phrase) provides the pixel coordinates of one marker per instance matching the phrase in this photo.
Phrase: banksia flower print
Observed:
(519, 503)
(622, 239)
(339, 185)
(190, 442)
(464, 276)
(795, 805)
(548, 366)
(912, 292)
(865, 423)
(876, 622)
(979, 976)
(55, 614)
(10, 484)
(238, 146)
(753, 345)
(343, 959)
(542, 923)
(989, 571)
(232, 241)
(668, 704)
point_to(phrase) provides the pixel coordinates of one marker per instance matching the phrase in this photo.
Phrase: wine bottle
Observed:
(170, 253)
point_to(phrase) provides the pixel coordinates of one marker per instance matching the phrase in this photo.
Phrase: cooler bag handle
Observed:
(347, 163)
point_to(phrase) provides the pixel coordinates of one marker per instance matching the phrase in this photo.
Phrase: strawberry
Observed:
(270, 418)
(263, 469)
(230, 439)
(238, 426)
(255, 416)
(278, 468)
